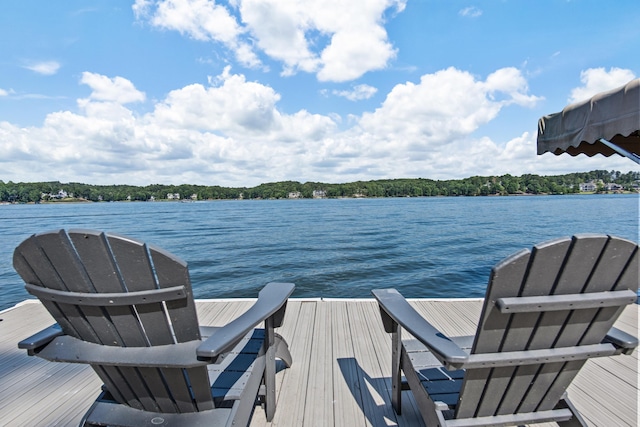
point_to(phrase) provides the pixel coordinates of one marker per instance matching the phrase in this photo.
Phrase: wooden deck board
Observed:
(319, 396)
(340, 375)
(293, 395)
(346, 397)
(381, 343)
(372, 385)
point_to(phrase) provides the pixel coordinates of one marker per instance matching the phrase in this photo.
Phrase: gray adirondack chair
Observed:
(126, 308)
(546, 312)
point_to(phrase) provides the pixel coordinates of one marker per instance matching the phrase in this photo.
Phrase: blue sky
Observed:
(242, 92)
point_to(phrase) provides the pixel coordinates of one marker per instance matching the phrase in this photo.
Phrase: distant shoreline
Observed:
(598, 181)
(85, 201)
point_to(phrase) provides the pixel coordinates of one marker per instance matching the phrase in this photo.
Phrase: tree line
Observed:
(418, 187)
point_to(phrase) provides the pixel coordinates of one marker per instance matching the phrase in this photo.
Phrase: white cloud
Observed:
(231, 132)
(444, 106)
(117, 89)
(510, 82)
(338, 40)
(279, 30)
(200, 19)
(597, 80)
(354, 53)
(359, 92)
(203, 20)
(4, 92)
(471, 11)
(47, 68)
(235, 106)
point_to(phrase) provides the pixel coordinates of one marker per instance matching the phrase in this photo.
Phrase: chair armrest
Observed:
(271, 299)
(40, 339)
(207, 331)
(623, 341)
(396, 307)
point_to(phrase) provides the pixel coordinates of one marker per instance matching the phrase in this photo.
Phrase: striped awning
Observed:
(607, 123)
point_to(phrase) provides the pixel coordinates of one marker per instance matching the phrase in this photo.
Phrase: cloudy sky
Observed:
(242, 92)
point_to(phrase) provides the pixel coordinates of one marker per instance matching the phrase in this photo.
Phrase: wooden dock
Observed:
(340, 375)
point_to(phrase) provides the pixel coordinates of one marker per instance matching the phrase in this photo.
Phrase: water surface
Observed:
(424, 247)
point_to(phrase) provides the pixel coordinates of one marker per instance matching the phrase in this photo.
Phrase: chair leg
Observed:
(576, 420)
(270, 370)
(396, 371)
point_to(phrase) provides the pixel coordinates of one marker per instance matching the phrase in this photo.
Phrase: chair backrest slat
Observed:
(503, 277)
(93, 250)
(25, 261)
(171, 271)
(580, 260)
(589, 326)
(491, 385)
(587, 263)
(136, 270)
(56, 264)
(570, 327)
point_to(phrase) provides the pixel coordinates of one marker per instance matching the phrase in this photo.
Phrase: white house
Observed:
(588, 186)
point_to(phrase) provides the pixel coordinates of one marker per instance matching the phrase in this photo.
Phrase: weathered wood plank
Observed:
(292, 395)
(346, 383)
(374, 388)
(319, 399)
(214, 314)
(381, 342)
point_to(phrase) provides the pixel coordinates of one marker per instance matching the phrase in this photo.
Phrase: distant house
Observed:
(295, 195)
(173, 196)
(588, 186)
(319, 194)
(61, 194)
(194, 196)
(593, 186)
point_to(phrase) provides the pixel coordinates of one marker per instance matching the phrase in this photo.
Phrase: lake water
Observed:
(334, 248)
